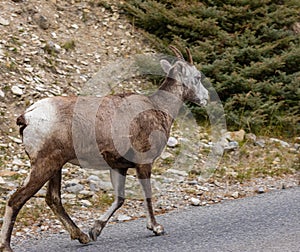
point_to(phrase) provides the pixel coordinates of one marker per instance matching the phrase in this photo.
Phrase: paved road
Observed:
(266, 222)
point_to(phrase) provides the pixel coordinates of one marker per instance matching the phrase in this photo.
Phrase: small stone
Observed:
(41, 21)
(195, 202)
(16, 90)
(86, 203)
(75, 26)
(4, 22)
(2, 94)
(297, 140)
(2, 181)
(172, 142)
(250, 137)
(282, 143)
(17, 162)
(93, 178)
(16, 140)
(166, 155)
(276, 161)
(41, 193)
(168, 180)
(260, 190)
(85, 194)
(123, 217)
(68, 196)
(235, 195)
(202, 188)
(233, 144)
(52, 46)
(74, 188)
(261, 143)
(237, 136)
(178, 172)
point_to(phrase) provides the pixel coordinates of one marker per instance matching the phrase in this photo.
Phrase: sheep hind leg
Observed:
(40, 173)
(53, 199)
(118, 178)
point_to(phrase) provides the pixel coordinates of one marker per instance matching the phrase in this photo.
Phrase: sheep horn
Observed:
(190, 58)
(176, 52)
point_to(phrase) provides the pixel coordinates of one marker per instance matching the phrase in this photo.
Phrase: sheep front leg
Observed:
(144, 174)
(118, 178)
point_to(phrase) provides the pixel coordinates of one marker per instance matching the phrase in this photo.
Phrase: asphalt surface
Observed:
(266, 222)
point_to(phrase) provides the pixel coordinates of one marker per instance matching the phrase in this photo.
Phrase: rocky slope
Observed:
(50, 48)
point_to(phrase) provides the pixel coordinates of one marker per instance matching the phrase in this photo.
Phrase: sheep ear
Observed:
(166, 66)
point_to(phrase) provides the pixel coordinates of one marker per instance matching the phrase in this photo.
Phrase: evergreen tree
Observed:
(249, 49)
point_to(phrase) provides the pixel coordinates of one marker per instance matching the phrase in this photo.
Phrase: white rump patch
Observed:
(40, 119)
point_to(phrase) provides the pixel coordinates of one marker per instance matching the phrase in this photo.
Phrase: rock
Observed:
(297, 140)
(237, 136)
(85, 203)
(51, 46)
(93, 178)
(41, 193)
(261, 143)
(168, 180)
(2, 181)
(2, 94)
(16, 140)
(166, 155)
(68, 196)
(206, 146)
(235, 195)
(16, 90)
(75, 26)
(123, 217)
(96, 186)
(172, 142)
(202, 188)
(250, 137)
(260, 190)
(177, 172)
(74, 188)
(41, 21)
(4, 21)
(85, 194)
(195, 202)
(17, 162)
(233, 145)
(282, 143)
(276, 161)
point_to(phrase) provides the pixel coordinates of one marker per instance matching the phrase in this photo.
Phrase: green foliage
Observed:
(69, 45)
(249, 49)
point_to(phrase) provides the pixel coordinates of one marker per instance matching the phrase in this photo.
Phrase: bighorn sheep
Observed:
(125, 131)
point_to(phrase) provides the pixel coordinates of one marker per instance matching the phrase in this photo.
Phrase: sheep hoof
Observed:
(158, 230)
(84, 239)
(94, 233)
